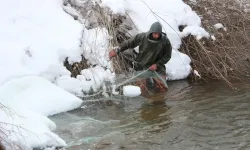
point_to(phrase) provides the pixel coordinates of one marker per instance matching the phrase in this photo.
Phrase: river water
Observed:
(198, 116)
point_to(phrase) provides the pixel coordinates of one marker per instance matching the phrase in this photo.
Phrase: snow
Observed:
(219, 26)
(196, 73)
(213, 37)
(35, 36)
(92, 78)
(170, 14)
(194, 30)
(178, 66)
(35, 40)
(193, 1)
(131, 91)
(37, 94)
(97, 75)
(30, 100)
(72, 85)
(117, 6)
(29, 129)
(95, 45)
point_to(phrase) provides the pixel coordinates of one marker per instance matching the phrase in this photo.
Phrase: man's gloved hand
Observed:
(153, 67)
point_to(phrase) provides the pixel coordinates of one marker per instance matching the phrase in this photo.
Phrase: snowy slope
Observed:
(35, 36)
(28, 101)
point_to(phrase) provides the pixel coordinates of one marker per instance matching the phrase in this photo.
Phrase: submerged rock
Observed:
(112, 141)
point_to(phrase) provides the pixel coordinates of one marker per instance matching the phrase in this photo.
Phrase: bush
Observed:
(225, 58)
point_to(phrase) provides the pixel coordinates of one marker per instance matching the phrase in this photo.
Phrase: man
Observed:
(154, 49)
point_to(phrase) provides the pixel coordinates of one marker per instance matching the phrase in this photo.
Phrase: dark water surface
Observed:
(205, 116)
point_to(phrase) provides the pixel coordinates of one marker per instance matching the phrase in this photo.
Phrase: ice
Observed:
(131, 91)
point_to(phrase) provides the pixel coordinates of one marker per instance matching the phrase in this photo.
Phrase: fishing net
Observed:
(150, 82)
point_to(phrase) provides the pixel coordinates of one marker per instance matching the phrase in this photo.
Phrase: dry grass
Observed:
(226, 58)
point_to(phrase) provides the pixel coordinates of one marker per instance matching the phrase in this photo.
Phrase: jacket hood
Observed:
(155, 27)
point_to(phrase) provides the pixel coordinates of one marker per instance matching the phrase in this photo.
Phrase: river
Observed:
(197, 116)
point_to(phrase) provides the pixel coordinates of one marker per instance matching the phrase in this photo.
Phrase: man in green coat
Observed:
(154, 49)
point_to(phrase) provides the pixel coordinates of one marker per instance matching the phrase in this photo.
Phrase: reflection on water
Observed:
(152, 112)
(202, 116)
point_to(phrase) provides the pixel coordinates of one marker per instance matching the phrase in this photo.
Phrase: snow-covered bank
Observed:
(36, 38)
(28, 101)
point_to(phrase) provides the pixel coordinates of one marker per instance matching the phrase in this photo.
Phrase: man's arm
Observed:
(168, 52)
(131, 43)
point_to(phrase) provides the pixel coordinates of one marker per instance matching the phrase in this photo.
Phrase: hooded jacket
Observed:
(151, 51)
